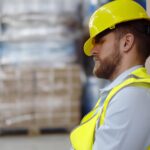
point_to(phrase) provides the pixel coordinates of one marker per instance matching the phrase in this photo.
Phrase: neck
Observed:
(122, 68)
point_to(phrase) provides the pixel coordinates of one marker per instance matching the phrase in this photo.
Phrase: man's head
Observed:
(128, 44)
(121, 43)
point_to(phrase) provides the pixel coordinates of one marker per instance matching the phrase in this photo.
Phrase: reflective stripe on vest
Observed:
(82, 137)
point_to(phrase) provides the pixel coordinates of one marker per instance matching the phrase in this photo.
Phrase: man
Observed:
(120, 44)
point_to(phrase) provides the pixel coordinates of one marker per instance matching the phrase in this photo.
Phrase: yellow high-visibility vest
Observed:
(82, 137)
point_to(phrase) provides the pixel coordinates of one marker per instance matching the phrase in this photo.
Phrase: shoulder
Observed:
(133, 93)
(131, 98)
(130, 104)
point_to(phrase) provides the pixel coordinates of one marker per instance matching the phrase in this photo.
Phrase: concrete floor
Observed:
(42, 142)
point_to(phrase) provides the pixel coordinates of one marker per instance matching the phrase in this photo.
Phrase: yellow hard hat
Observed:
(110, 14)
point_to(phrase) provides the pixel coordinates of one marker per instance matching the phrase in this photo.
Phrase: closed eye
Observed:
(99, 41)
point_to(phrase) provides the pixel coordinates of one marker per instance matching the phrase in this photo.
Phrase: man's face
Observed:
(107, 56)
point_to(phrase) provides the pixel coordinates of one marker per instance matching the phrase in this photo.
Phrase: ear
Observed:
(127, 42)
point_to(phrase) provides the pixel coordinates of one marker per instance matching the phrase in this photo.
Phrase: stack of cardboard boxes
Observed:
(41, 97)
(40, 84)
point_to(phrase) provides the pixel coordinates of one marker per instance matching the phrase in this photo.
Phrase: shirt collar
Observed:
(119, 79)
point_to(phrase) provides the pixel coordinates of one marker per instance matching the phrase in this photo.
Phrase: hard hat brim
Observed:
(88, 46)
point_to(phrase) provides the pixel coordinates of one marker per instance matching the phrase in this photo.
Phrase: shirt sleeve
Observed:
(127, 121)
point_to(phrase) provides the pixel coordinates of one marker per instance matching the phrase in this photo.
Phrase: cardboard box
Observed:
(40, 96)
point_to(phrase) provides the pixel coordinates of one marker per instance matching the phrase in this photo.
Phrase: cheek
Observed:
(107, 50)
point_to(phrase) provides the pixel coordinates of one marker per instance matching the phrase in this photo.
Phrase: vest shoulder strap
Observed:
(138, 77)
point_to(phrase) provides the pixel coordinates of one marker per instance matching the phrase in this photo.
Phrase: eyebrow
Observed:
(101, 35)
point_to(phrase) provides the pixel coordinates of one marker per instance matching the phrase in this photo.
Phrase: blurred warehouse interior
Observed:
(40, 77)
(45, 79)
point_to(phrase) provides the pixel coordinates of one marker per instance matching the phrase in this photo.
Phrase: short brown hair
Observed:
(141, 30)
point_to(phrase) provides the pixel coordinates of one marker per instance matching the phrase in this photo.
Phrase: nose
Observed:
(94, 50)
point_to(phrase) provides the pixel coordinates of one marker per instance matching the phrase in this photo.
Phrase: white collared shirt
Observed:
(127, 121)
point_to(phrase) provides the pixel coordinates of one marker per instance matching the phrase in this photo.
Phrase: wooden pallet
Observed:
(30, 131)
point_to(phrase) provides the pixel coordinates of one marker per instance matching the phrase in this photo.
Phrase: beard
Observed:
(105, 68)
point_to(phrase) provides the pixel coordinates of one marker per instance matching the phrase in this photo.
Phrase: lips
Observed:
(95, 59)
